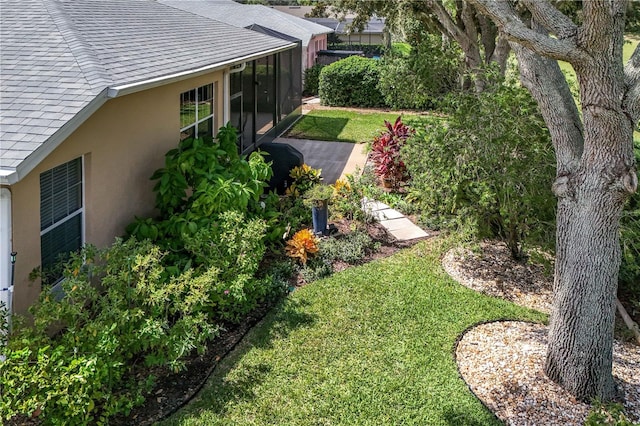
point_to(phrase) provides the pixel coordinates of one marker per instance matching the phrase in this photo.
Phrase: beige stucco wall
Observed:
(122, 144)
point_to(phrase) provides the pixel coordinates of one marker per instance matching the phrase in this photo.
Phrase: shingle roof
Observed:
(374, 26)
(245, 15)
(58, 56)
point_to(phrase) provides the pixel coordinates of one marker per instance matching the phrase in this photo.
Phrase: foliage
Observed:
(369, 345)
(318, 195)
(316, 269)
(611, 414)
(142, 312)
(369, 50)
(352, 81)
(304, 178)
(417, 80)
(302, 245)
(488, 170)
(385, 152)
(350, 248)
(348, 195)
(312, 80)
(201, 180)
(84, 374)
(630, 240)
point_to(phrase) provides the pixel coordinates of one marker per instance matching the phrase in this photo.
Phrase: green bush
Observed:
(312, 80)
(352, 81)
(487, 171)
(85, 372)
(368, 49)
(140, 313)
(417, 80)
(350, 248)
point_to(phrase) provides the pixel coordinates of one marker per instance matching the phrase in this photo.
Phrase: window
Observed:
(61, 212)
(196, 112)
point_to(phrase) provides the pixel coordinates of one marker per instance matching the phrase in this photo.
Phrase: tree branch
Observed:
(631, 101)
(551, 18)
(512, 26)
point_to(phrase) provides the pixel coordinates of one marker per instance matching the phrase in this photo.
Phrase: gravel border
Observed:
(502, 362)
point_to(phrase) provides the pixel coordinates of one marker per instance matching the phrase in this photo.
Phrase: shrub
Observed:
(350, 248)
(385, 152)
(201, 180)
(304, 178)
(488, 170)
(352, 81)
(85, 373)
(420, 79)
(312, 80)
(368, 49)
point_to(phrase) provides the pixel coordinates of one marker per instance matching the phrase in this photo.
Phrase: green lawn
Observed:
(372, 345)
(344, 126)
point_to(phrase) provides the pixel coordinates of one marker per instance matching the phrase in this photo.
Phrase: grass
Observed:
(371, 345)
(343, 125)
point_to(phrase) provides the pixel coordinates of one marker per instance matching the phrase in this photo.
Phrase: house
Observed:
(373, 33)
(313, 36)
(93, 94)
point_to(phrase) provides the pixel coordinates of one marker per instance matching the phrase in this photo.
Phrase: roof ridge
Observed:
(85, 57)
(286, 16)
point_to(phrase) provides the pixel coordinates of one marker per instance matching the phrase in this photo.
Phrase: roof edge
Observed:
(37, 156)
(129, 88)
(10, 177)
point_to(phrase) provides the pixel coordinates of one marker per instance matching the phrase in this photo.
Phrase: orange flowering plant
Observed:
(301, 245)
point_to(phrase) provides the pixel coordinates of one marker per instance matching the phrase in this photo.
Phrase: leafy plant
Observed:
(304, 178)
(84, 373)
(386, 154)
(417, 80)
(350, 248)
(302, 245)
(611, 414)
(312, 80)
(487, 170)
(318, 195)
(352, 81)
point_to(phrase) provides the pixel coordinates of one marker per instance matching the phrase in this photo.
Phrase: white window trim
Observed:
(213, 111)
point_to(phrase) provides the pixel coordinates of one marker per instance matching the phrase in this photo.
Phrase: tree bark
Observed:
(595, 176)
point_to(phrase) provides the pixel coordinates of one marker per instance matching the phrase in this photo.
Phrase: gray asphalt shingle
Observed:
(56, 56)
(244, 15)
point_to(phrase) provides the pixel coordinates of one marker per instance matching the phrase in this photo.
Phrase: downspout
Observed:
(226, 96)
(7, 257)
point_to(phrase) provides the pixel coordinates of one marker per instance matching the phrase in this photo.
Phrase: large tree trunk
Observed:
(596, 174)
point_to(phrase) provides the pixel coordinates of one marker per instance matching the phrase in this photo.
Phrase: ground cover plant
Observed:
(369, 345)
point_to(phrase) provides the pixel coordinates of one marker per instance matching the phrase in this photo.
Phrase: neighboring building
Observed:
(374, 31)
(313, 36)
(93, 94)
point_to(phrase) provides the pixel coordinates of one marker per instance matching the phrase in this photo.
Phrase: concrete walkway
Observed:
(337, 159)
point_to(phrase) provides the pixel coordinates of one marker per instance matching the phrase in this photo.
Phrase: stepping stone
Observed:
(403, 229)
(386, 214)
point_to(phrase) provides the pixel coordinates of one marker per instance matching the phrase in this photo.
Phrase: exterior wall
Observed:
(122, 144)
(362, 38)
(317, 43)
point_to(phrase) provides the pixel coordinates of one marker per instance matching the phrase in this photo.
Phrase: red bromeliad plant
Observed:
(385, 152)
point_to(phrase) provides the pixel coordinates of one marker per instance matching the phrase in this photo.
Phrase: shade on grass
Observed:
(372, 345)
(341, 125)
